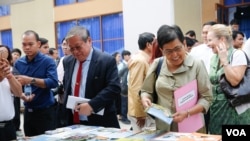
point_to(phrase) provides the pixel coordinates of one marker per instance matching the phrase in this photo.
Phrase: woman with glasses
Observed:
(178, 68)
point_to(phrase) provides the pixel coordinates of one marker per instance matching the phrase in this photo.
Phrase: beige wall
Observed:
(188, 15)
(5, 23)
(87, 9)
(209, 12)
(35, 15)
(41, 15)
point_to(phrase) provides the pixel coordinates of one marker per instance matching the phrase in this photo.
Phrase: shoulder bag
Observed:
(157, 72)
(239, 94)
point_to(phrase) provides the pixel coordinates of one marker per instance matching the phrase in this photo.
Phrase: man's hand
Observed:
(84, 109)
(27, 98)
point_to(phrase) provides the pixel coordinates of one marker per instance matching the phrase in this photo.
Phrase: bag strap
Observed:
(248, 61)
(158, 68)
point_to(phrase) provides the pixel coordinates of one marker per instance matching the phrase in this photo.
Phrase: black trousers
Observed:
(7, 131)
(36, 122)
(16, 119)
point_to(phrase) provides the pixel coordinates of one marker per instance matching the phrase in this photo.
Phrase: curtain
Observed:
(64, 2)
(6, 36)
(231, 2)
(93, 25)
(244, 26)
(62, 29)
(106, 32)
(4, 10)
(113, 34)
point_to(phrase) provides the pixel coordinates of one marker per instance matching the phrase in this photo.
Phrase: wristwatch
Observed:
(33, 81)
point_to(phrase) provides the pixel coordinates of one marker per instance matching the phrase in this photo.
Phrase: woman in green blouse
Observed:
(233, 63)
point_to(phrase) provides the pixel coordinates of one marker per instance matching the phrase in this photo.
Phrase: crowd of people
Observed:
(123, 84)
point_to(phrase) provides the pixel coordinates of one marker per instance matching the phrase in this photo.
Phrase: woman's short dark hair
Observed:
(167, 33)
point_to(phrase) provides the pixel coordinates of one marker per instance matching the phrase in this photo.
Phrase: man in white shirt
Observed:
(66, 52)
(202, 51)
(60, 73)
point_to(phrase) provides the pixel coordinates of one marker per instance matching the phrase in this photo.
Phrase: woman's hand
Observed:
(5, 68)
(180, 116)
(222, 52)
(24, 80)
(146, 102)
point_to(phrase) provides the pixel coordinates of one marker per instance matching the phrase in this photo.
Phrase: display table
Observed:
(94, 133)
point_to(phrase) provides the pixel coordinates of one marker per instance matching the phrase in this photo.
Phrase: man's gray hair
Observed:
(78, 31)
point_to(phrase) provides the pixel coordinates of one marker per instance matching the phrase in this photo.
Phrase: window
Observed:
(6, 37)
(106, 32)
(4, 10)
(112, 31)
(65, 2)
(62, 29)
(93, 25)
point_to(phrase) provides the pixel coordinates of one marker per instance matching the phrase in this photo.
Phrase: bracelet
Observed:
(188, 114)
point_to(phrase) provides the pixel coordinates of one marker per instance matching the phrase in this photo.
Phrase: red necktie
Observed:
(77, 88)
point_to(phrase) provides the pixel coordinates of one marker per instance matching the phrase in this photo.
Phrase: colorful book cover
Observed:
(160, 112)
(178, 136)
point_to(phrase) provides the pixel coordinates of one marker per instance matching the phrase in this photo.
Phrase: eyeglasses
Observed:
(170, 51)
(78, 48)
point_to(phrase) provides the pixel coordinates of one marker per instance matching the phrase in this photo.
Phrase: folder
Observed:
(185, 98)
(73, 101)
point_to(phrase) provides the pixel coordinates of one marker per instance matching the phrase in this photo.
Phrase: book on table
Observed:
(180, 136)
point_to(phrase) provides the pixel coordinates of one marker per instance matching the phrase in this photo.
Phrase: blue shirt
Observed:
(42, 67)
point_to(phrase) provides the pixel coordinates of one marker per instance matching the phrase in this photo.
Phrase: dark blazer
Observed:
(102, 87)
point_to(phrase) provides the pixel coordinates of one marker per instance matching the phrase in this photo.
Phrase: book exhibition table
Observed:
(94, 133)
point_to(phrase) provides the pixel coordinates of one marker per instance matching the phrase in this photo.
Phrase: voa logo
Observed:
(236, 132)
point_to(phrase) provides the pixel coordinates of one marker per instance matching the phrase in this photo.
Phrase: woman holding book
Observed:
(178, 69)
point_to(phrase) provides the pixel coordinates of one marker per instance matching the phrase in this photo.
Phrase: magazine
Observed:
(160, 112)
(179, 136)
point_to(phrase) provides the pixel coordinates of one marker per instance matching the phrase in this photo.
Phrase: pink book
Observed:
(185, 98)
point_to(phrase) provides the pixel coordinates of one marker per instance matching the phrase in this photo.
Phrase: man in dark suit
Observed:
(99, 81)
